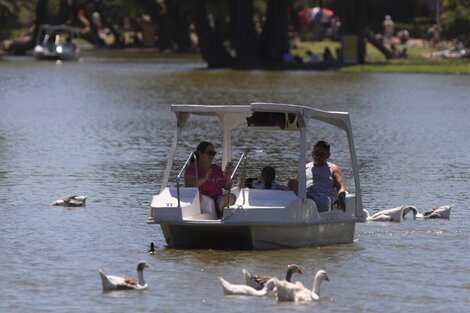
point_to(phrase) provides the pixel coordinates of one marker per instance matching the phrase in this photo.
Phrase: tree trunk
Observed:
(163, 27)
(180, 26)
(27, 41)
(243, 35)
(353, 17)
(212, 50)
(274, 39)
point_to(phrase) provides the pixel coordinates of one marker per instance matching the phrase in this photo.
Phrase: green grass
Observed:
(418, 60)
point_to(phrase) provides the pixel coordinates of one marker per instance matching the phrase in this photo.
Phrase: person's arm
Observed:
(338, 178)
(293, 184)
(227, 175)
(191, 181)
(340, 187)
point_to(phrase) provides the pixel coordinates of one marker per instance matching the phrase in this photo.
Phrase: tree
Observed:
(233, 33)
(455, 19)
(248, 50)
(244, 39)
(274, 41)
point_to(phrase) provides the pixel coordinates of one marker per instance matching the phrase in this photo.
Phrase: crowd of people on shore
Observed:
(325, 60)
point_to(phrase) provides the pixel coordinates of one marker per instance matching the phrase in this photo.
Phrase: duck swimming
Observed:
(152, 248)
(258, 282)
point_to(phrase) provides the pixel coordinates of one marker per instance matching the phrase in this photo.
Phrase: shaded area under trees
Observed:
(230, 40)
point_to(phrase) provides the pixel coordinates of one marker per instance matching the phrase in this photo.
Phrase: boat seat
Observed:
(203, 217)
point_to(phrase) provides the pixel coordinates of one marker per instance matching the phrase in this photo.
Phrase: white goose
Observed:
(73, 201)
(244, 290)
(442, 211)
(122, 283)
(390, 215)
(258, 282)
(287, 291)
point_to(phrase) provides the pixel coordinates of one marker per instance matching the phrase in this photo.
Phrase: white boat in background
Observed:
(56, 42)
(260, 219)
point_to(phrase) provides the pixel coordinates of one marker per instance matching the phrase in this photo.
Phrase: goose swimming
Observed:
(390, 215)
(258, 282)
(122, 283)
(442, 211)
(73, 201)
(245, 290)
(287, 291)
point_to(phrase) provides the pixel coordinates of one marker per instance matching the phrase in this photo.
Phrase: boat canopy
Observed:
(55, 29)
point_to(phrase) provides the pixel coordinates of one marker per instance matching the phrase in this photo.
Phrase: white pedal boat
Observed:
(260, 219)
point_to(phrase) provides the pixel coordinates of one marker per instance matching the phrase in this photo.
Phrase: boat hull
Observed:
(51, 55)
(257, 236)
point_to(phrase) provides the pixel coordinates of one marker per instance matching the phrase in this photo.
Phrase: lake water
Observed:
(102, 127)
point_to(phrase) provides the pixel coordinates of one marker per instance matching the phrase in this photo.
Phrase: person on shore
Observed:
(389, 27)
(328, 58)
(209, 177)
(311, 58)
(324, 180)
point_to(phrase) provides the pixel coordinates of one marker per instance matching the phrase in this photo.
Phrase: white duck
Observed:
(390, 215)
(74, 201)
(287, 291)
(244, 290)
(442, 211)
(122, 283)
(258, 282)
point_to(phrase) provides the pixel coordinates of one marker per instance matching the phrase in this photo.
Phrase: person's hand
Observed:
(341, 201)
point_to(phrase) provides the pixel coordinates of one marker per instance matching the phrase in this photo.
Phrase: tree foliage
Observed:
(455, 19)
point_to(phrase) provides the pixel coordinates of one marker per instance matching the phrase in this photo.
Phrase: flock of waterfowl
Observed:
(282, 289)
(398, 213)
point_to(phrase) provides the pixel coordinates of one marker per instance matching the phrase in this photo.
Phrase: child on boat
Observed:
(268, 176)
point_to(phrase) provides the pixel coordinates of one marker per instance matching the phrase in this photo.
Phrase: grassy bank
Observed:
(418, 61)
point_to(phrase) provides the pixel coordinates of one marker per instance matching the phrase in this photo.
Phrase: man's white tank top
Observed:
(321, 175)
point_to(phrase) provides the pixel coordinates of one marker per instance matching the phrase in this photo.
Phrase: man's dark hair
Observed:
(323, 144)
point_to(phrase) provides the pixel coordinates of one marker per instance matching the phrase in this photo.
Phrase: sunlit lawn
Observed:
(418, 60)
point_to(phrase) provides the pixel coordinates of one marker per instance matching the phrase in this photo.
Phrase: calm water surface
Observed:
(102, 128)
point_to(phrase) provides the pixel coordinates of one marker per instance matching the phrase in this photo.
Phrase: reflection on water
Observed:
(102, 127)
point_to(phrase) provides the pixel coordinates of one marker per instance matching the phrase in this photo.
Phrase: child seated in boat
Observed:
(268, 176)
(209, 177)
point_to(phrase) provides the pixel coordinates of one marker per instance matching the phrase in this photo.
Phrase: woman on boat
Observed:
(209, 177)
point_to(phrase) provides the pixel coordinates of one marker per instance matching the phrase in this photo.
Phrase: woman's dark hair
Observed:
(269, 174)
(201, 148)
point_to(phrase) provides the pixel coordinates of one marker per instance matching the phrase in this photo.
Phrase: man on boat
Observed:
(324, 180)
